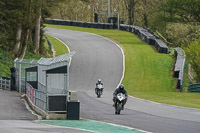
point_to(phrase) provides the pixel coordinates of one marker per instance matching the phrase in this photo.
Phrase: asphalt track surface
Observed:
(97, 57)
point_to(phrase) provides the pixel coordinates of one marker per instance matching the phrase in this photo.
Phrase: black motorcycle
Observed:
(120, 99)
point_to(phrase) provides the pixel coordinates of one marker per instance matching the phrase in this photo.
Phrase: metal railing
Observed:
(5, 83)
(40, 98)
(37, 97)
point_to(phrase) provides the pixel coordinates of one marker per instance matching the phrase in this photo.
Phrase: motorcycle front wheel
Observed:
(98, 94)
(118, 108)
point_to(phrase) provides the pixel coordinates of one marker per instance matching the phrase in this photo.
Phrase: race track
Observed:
(97, 57)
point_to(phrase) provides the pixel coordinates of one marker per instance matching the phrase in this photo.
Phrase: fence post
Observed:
(47, 103)
(15, 62)
(6, 84)
(1, 82)
(19, 75)
(9, 85)
(118, 21)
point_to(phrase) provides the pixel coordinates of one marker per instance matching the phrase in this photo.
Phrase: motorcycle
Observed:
(120, 99)
(99, 90)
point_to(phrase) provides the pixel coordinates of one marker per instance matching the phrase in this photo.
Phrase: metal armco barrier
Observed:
(49, 43)
(179, 66)
(147, 37)
(194, 88)
(5, 83)
(81, 24)
(141, 32)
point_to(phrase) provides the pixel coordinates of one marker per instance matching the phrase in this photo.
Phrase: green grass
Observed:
(148, 74)
(29, 55)
(58, 46)
(46, 51)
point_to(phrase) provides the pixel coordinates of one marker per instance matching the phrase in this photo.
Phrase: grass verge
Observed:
(58, 46)
(148, 74)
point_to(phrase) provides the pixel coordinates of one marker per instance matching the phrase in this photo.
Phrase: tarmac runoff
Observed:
(93, 126)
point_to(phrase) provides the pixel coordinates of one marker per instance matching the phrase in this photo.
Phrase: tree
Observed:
(184, 11)
(41, 9)
(145, 10)
(38, 7)
(130, 6)
(182, 34)
(193, 54)
(27, 27)
(13, 16)
(3, 23)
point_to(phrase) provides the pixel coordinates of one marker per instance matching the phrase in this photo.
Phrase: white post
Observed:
(67, 82)
(19, 77)
(15, 62)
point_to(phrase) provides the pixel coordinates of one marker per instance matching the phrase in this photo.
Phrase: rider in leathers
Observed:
(98, 82)
(120, 89)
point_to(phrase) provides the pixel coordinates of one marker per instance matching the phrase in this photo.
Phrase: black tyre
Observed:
(98, 94)
(119, 112)
(119, 107)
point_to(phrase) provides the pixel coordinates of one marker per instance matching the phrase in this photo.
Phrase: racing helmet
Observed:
(99, 80)
(121, 87)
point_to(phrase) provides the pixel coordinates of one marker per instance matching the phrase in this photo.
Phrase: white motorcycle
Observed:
(120, 99)
(99, 90)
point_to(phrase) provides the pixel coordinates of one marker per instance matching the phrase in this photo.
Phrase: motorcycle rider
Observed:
(98, 82)
(120, 89)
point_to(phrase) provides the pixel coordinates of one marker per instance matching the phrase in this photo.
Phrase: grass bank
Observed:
(148, 74)
(57, 45)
